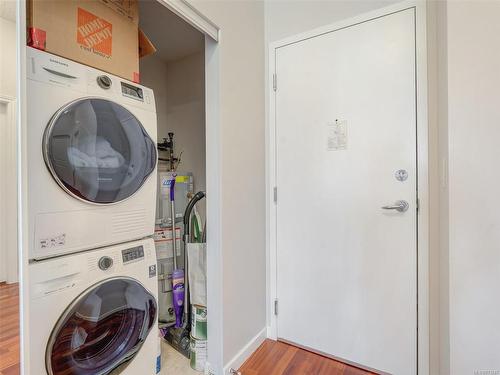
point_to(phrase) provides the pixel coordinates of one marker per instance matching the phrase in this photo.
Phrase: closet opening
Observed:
(176, 74)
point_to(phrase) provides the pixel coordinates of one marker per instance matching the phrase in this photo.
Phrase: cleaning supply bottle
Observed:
(178, 296)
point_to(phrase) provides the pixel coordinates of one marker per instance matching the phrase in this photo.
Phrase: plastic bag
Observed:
(197, 269)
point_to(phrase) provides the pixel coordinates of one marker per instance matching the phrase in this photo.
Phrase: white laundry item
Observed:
(95, 152)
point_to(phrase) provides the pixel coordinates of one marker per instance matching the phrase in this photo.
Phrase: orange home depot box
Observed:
(99, 33)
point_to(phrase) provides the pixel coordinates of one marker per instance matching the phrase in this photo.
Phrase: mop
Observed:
(178, 283)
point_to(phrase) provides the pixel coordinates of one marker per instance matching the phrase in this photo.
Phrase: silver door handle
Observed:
(400, 206)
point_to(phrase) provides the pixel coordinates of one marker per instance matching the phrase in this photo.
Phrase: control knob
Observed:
(104, 82)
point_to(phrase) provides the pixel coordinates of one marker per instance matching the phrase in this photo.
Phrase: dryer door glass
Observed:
(98, 151)
(102, 330)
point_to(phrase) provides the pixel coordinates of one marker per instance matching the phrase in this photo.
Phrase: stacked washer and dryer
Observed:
(91, 210)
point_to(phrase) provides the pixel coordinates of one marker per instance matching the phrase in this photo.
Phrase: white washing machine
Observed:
(95, 312)
(91, 149)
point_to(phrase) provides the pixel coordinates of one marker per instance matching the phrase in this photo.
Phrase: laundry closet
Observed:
(176, 74)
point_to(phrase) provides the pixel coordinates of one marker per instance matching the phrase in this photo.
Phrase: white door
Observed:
(346, 123)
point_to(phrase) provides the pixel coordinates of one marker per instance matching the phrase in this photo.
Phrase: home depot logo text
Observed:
(94, 33)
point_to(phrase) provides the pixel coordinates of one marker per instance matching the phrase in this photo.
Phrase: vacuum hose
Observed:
(187, 214)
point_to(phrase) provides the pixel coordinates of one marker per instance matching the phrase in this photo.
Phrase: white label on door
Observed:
(337, 135)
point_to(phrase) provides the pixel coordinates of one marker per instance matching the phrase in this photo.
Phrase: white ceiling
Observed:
(8, 9)
(172, 36)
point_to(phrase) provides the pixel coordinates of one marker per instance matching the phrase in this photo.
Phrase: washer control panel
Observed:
(132, 91)
(132, 254)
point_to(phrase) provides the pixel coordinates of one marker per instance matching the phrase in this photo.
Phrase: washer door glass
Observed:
(98, 151)
(102, 330)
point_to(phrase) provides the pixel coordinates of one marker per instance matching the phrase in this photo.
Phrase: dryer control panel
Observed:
(58, 71)
(132, 254)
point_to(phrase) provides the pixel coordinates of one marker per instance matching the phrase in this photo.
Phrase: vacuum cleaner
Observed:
(179, 335)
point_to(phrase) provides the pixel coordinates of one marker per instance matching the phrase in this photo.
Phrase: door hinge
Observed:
(418, 205)
(276, 307)
(275, 82)
(275, 194)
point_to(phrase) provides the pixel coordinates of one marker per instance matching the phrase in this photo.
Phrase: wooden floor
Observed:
(271, 358)
(9, 329)
(277, 358)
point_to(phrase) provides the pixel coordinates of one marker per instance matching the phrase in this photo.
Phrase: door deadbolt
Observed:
(401, 175)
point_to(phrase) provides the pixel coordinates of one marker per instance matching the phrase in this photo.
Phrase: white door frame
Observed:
(9, 209)
(191, 15)
(422, 170)
(213, 184)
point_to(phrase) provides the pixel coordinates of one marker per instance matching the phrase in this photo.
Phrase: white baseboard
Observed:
(271, 332)
(246, 352)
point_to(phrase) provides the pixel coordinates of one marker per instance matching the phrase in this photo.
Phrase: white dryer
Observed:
(91, 149)
(95, 312)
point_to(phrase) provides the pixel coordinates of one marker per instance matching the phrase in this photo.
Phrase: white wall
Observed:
(440, 283)
(286, 18)
(180, 106)
(241, 83)
(186, 116)
(153, 72)
(438, 190)
(7, 57)
(473, 81)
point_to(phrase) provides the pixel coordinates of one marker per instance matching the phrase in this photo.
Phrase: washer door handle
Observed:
(400, 206)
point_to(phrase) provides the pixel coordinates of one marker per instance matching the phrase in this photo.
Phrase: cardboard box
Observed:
(146, 47)
(99, 33)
